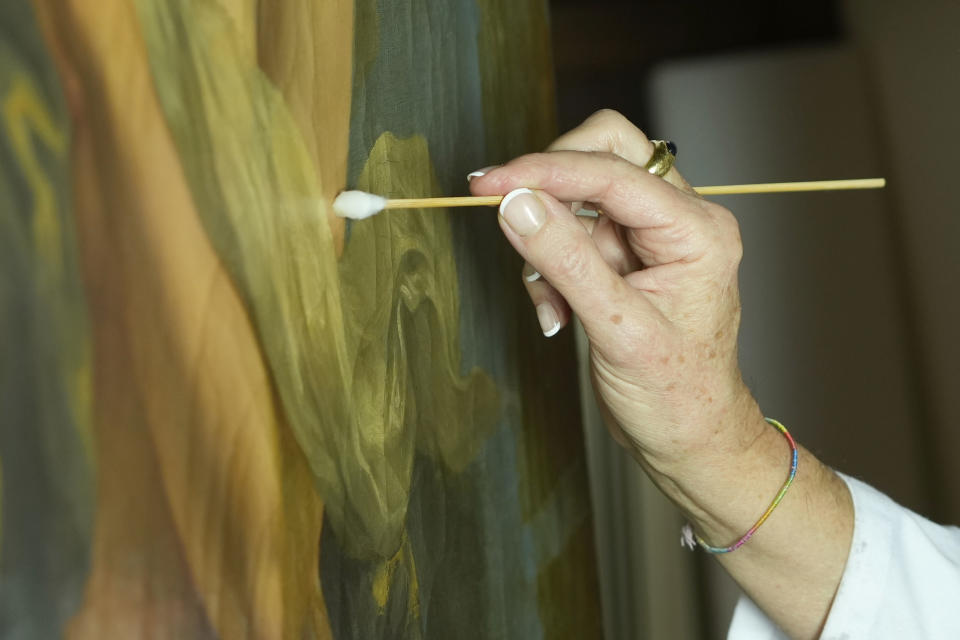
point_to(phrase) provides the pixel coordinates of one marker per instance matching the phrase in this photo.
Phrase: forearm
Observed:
(792, 566)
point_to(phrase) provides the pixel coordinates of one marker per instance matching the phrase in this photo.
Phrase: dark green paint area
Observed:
(47, 485)
(494, 547)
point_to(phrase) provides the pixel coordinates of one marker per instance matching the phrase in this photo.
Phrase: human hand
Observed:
(653, 280)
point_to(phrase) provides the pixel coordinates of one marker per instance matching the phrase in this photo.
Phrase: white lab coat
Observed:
(902, 579)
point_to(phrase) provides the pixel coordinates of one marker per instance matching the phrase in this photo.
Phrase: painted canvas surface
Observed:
(223, 412)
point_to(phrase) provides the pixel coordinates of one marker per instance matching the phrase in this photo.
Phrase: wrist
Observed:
(727, 481)
(793, 558)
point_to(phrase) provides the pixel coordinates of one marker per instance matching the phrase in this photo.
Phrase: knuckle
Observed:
(571, 263)
(736, 249)
(632, 344)
(728, 232)
(617, 129)
(608, 118)
(529, 170)
(528, 160)
(532, 168)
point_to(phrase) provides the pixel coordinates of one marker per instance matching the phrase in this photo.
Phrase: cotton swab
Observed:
(358, 205)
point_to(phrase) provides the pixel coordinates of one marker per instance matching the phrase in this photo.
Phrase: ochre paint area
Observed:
(400, 297)
(364, 353)
(306, 49)
(206, 522)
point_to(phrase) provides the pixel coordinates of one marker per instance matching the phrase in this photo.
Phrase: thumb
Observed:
(553, 241)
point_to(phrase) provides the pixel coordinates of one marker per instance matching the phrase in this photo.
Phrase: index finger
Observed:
(628, 194)
(667, 224)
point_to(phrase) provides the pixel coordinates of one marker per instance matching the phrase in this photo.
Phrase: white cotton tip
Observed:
(358, 205)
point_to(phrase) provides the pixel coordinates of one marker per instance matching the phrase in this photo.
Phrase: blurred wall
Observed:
(911, 57)
(850, 305)
(823, 343)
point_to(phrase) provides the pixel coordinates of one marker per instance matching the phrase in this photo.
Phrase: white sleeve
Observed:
(902, 579)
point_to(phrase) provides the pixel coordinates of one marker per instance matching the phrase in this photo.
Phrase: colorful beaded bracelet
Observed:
(690, 540)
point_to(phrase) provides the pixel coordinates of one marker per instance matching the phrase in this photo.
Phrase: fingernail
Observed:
(529, 273)
(479, 173)
(549, 321)
(523, 211)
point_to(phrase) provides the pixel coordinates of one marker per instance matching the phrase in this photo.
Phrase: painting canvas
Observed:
(226, 413)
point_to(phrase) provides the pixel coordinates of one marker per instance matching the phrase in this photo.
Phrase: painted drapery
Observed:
(225, 413)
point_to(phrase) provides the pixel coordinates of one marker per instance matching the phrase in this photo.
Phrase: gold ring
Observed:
(664, 155)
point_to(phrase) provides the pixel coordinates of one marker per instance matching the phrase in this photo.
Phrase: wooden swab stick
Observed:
(456, 201)
(788, 187)
(359, 205)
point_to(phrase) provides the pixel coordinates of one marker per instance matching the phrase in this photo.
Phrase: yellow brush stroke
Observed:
(384, 578)
(25, 116)
(386, 572)
(27, 120)
(413, 599)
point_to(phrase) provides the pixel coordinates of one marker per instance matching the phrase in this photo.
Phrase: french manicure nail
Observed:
(479, 173)
(529, 273)
(549, 321)
(523, 211)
